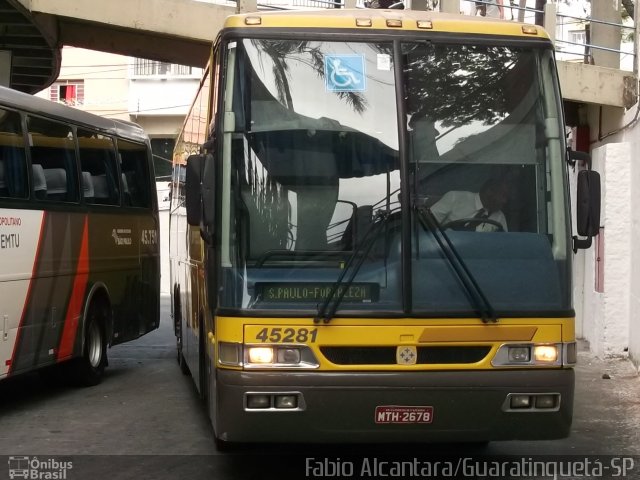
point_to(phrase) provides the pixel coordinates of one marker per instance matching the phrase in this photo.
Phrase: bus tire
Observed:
(88, 370)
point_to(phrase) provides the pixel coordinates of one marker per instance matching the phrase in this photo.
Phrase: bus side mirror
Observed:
(208, 195)
(193, 189)
(587, 208)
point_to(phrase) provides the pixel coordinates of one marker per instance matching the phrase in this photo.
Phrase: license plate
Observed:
(407, 415)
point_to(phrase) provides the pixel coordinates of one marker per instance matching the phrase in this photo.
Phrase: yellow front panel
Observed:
(395, 333)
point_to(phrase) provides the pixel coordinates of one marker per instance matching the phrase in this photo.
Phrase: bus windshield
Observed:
(317, 137)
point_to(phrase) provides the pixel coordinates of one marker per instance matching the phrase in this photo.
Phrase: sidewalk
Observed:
(606, 417)
(607, 404)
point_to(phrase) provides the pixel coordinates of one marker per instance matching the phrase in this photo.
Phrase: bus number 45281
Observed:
(287, 335)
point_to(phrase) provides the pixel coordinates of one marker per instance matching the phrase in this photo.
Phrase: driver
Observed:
(458, 206)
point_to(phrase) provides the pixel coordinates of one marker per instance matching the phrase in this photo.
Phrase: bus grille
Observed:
(387, 355)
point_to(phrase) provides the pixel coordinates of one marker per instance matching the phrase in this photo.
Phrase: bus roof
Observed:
(40, 106)
(346, 18)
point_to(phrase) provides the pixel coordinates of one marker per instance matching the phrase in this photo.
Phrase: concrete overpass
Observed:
(172, 31)
(181, 31)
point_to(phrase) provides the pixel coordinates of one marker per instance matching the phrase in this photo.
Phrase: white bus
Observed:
(78, 237)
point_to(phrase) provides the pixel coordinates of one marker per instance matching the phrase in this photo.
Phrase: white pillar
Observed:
(550, 20)
(450, 6)
(606, 316)
(246, 6)
(606, 35)
(522, 5)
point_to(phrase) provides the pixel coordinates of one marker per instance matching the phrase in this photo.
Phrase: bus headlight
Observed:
(279, 356)
(545, 353)
(519, 355)
(260, 355)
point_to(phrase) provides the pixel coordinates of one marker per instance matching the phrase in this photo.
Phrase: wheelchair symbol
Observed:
(341, 76)
(345, 73)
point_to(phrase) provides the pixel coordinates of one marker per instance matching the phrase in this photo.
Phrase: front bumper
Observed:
(467, 406)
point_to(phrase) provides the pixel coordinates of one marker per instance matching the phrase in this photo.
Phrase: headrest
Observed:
(56, 180)
(125, 185)
(39, 180)
(87, 185)
(100, 187)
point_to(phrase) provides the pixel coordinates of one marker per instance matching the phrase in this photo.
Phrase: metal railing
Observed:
(143, 68)
(563, 25)
(584, 50)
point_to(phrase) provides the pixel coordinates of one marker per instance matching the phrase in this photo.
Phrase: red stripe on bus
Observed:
(27, 299)
(65, 349)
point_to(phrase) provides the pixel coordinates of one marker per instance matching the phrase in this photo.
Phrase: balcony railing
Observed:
(604, 42)
(147, 68)
(578, 34)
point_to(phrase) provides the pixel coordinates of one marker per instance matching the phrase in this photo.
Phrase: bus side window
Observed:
(98, 159)
(53, 147)
(135, 173)
(4, 190)
(13, 171)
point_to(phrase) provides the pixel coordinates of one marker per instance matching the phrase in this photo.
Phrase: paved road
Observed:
(145, 421)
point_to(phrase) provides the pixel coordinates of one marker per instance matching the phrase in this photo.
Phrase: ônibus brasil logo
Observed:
(38, 469)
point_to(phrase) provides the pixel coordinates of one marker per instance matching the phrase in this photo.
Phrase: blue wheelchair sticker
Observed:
(344, 73)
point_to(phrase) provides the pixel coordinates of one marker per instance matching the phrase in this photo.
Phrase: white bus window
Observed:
(13, 171)
(52, 147)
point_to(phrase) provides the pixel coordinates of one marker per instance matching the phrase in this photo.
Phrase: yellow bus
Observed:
(370, 231)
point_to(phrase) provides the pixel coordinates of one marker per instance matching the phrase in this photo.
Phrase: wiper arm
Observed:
(328, 309)
(480, 300)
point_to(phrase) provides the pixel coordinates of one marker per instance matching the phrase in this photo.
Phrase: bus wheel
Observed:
(89, 369)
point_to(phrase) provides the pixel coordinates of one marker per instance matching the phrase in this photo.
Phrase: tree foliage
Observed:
(457, 85)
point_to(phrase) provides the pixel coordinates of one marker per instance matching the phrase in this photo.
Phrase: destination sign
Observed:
(314, 292)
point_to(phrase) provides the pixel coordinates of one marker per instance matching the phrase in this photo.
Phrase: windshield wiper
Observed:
(479, 299)
(328, 309)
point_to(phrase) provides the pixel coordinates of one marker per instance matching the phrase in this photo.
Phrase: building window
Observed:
(599, 252)
(69, 92)
(143, 67)
(578, 36)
